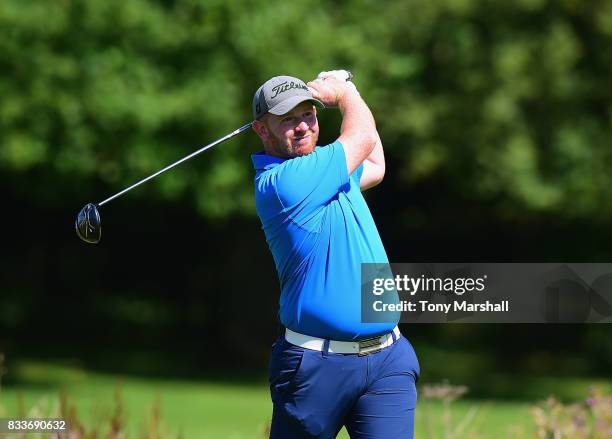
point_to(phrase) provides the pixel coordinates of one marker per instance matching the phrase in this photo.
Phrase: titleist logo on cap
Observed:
(284, 86)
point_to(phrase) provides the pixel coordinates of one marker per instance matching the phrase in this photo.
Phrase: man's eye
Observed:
(308, 114)
(287, 119)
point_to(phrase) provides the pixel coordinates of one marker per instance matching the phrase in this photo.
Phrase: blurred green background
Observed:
(496, 117)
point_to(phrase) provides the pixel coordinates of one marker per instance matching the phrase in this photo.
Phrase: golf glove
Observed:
(342, 75)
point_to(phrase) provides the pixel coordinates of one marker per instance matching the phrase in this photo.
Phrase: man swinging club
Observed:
(327, 369)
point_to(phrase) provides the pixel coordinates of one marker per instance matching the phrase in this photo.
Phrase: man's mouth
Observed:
(299, 139)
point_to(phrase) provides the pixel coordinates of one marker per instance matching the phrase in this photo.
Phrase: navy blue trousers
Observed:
(315, 393)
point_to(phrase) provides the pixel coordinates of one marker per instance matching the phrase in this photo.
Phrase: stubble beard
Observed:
(280, 146)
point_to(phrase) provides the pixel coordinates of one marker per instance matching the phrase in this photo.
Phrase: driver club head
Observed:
(88, 224)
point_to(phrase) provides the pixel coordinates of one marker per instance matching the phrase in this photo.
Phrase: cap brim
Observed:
(289, 104)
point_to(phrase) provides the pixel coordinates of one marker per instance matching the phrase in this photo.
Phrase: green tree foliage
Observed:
(509, 101)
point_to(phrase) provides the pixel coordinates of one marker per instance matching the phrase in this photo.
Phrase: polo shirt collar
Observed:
(262, 161)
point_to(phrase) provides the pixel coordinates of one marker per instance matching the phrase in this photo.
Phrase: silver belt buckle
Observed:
(369, 346)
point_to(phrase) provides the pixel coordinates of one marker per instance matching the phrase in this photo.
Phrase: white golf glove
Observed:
(342, 75)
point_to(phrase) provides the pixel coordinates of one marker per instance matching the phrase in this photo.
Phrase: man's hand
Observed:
(330, 90)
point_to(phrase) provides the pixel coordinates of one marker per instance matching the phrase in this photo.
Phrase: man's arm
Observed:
(373, 167)
(358, 131)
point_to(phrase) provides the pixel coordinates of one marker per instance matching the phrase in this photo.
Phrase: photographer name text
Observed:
(455, 306)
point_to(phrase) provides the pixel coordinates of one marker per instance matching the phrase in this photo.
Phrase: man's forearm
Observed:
(358, 130)
(377, 156)
(373, 167)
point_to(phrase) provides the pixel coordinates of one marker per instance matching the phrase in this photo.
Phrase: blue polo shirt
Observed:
(319, 230)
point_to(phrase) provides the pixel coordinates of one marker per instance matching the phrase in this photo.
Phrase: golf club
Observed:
(88, 222)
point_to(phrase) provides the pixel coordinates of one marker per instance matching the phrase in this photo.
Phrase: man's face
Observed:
(292, 134)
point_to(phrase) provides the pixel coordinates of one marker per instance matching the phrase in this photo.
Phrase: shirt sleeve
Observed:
(306, 184)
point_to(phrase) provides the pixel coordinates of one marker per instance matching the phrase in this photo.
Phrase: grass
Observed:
(197, 409)
(212, 409)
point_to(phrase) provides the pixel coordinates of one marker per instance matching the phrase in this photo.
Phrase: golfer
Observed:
(328, 369)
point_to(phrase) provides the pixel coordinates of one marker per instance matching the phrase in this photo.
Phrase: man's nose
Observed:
(302, 126)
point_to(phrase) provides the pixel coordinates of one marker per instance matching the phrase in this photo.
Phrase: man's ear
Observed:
(261, 129)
